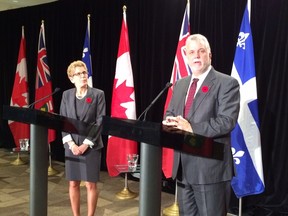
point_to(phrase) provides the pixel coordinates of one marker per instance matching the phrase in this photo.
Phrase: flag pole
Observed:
(126, 193)
(172, 210)
(51, 170)
(17, 127)
(18, 161)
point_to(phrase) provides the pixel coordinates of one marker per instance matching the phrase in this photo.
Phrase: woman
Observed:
(82, 153)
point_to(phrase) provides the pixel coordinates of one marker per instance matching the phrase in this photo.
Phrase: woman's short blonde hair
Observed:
(73, 65)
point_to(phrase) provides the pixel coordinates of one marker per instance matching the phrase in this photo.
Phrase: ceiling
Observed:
(13, 4)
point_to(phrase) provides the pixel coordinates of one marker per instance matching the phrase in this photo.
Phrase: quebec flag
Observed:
(86, 56)
(245, 138)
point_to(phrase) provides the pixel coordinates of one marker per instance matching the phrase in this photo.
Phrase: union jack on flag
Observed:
(43, 85)
(180, 70)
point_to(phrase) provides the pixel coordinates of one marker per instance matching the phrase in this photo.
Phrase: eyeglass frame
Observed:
(80, 73)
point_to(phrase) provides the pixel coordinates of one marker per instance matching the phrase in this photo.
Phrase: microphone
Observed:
(55, 91)
(153, 102)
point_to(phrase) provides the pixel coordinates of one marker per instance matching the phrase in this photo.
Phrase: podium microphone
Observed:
(55, 91)
(153, 102)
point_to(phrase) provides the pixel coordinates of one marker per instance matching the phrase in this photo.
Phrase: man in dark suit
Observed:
(203, 184)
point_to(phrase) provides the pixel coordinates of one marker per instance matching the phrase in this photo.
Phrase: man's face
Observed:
(199, 58)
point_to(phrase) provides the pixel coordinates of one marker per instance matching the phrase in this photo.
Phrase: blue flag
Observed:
(86, 56)
(245, 138)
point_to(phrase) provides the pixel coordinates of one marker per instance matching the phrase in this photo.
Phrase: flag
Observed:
(180, 70)
(43, 85)
(123, 103)
(20, 95)
(86, 56)
(245, 137)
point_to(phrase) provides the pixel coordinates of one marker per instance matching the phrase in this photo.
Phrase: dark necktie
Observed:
(190, 97)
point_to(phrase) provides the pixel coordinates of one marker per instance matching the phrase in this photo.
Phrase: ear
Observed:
(72, 79)
(210, 55)
(185, 51)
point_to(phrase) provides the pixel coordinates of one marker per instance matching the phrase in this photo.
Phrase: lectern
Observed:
(40, 123)
(153, 137)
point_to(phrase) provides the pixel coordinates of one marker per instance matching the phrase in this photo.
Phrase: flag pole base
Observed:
(172, 210)
(126, 193)
(18, 161)
(52, 171)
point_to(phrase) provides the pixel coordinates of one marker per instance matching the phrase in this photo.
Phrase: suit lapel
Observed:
(87, 103)
(203, 91)
(72, 103)
(185, 87)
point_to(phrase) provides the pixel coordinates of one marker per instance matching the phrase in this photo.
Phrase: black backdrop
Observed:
(154, 27)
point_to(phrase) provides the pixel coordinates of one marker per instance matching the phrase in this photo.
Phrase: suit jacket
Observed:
(213, 114)
(93, 111)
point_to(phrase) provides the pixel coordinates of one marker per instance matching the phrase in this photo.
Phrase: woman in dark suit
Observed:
(203, 183)
(82, 153)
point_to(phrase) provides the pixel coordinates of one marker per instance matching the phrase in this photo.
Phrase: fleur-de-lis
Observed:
(241, 39)
(85, 50)
(237, 155)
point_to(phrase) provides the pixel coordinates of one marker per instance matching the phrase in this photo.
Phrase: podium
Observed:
(40, 123)
(153, 136)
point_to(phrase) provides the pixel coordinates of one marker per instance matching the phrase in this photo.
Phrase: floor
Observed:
(14, 191)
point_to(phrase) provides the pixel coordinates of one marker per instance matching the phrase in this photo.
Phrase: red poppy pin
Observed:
(205, 89)
(88, 100)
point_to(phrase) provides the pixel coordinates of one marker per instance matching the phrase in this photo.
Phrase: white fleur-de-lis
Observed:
(237, 155)
(85, 50)
(241, 39)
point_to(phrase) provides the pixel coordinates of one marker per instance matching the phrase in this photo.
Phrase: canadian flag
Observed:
(123, 103)
(20, 95)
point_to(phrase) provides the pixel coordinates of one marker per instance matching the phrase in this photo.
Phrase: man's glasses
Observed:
(80, 73)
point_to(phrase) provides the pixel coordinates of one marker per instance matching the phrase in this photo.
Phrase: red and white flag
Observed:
(43, 86)
(180, 70)
(20, 95)
(123, 103)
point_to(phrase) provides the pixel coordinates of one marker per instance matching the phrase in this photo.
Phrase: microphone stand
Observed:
(32, 104)
(153, 102)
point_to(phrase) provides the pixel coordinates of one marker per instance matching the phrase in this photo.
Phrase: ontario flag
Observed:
(123, 103)
(43, 86)
(20, 95)
(180, 70)
(86, 56)
(245, 138)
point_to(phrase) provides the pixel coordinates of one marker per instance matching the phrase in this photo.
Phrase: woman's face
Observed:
(80, 77)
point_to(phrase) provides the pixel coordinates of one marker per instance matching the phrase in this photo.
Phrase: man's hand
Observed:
(177, 123)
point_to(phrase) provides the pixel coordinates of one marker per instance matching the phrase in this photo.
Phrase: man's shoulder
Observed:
(222, 75)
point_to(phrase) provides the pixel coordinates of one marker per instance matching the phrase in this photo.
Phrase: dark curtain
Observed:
(154, 27)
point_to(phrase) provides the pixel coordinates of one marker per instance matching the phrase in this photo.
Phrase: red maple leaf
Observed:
(121, 94)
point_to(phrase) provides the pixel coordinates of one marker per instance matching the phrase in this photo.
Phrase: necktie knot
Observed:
(190, 97)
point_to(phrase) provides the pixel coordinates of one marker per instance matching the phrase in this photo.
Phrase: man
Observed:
(203, 184)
